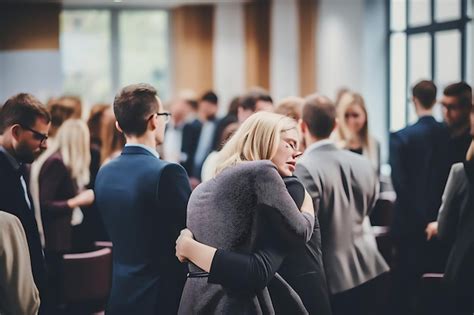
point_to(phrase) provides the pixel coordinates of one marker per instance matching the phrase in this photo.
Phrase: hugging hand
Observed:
(185, 236)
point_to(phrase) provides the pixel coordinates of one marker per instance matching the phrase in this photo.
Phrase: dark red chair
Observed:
(86, 281)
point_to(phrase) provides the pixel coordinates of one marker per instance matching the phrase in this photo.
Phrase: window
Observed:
(429, 39)
(104, 50)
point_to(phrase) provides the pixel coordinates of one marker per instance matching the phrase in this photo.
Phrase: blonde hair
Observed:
(72, 141)
(344, 135)
(256, 139)
(291, 106)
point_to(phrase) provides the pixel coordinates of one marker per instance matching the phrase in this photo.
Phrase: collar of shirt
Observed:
(318, 144)
(10, 158)
(144, 147)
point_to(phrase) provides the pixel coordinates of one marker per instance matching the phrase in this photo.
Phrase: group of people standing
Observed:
(275, 220)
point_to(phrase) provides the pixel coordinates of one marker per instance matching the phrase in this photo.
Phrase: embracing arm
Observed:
(229, 268)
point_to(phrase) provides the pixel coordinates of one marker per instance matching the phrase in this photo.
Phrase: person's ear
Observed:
(336, 124)
(303, 126)
(118, 127)
(16, 131)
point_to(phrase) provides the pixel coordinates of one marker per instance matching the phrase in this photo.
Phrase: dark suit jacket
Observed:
(420, 167)
(56, 186)
(12, 200)
(143, 203)
(191, 134)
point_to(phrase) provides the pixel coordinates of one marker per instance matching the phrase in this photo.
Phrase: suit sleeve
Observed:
(16, 279)
(399, 173)
(53, 176)
(278, 207)
(250, 272)
(448, 215)
(174, 192)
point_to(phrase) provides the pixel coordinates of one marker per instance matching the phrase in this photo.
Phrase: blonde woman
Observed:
(353, 128)
(246, 208)
(61, 172)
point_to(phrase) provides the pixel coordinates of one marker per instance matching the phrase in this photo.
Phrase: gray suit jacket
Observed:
(344, 189)
(455, 223)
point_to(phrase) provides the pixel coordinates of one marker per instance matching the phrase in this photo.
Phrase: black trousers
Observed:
(368, 298)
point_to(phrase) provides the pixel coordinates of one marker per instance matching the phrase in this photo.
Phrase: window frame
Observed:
(431, 29)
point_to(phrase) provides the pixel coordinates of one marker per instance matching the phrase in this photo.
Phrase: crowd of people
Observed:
(264, 210)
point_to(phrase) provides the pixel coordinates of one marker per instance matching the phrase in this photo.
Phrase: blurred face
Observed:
(355, 118)
(455, 115)
(285, 157)
(263, 106)
(209, 109)
(30, 142)
(180, 110)
(243, 114)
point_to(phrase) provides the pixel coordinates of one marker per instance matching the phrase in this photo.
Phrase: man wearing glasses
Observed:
(143, 201)
(456, 104)
(25, 124)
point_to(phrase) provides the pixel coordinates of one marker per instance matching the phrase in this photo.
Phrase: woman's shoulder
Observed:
(255, 168)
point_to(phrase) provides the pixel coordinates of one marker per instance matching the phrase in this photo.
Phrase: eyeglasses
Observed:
(166, 115)
(36, 134)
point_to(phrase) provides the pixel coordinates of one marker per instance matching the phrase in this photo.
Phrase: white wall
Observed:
(339, 45)
(37, 72)
(284, 49)
(352, 52)
(229, 52)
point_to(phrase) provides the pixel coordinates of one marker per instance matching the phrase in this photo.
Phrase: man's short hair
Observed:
(319, 114)
(210, 97)
(133, 106)
(425, 92)
(462, 91)
(23, 109)
(249, 100)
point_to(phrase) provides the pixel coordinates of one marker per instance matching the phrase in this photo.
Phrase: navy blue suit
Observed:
(420, 167)
(12, 200)
(143, 203)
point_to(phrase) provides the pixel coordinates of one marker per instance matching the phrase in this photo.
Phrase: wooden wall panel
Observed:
(27, 26)
(192, 39)
(257, 43)
(307, 12)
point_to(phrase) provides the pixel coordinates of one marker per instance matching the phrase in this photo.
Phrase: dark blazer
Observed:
(56, 186)
(12, 200)
(191, 134)
(420, 167)
(456, 223)
(143, 203)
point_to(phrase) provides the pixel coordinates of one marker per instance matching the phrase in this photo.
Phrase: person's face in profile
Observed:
(30, 142)
(285, 157)
(454, 113)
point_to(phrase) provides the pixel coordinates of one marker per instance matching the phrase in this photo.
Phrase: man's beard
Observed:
(26, 155)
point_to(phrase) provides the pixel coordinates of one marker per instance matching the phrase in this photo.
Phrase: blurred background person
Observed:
(57, 182)
(456, 104)
(198, 137)
(113, 140)
(182, 111)
(257, 99)
(352, 132)
(229, 118)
